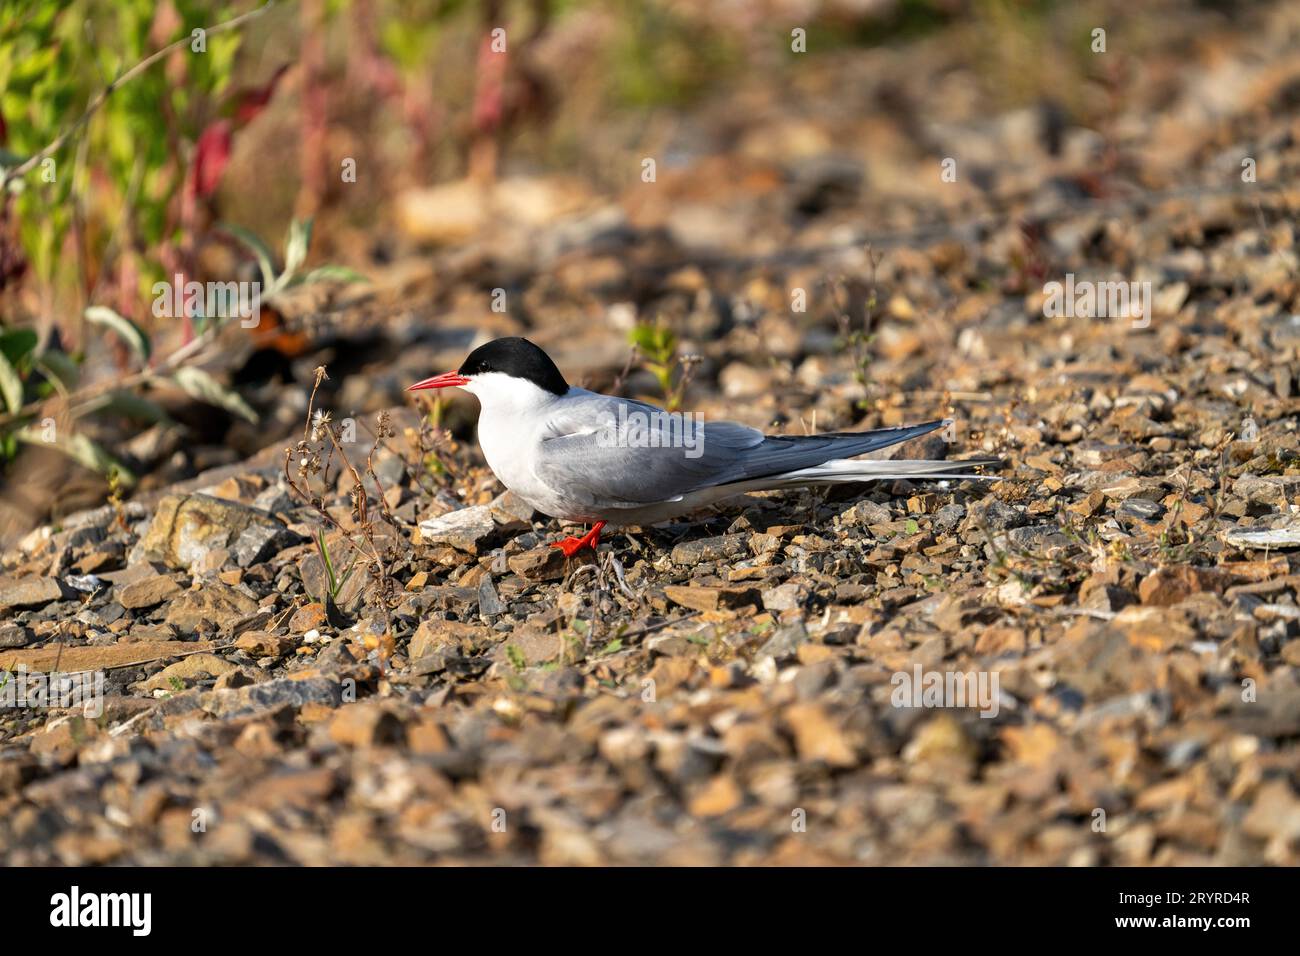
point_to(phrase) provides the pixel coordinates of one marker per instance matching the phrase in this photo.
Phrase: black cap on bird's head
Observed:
(513, 356)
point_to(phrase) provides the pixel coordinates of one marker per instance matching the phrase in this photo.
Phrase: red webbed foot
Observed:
(571, 546)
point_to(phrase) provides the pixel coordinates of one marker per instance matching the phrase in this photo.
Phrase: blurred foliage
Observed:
(405, 81)
(660, 58)
(123, 172)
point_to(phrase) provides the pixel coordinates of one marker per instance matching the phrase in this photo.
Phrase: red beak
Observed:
(445, 380)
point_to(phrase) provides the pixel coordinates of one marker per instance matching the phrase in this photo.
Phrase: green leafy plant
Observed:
(84, 100)
(29, 376)
(334, 581)
(659, 345)
(276, 282)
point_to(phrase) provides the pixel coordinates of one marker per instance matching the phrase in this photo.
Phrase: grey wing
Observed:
(609, 452)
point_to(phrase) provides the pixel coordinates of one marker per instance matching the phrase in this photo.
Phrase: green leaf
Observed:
(295, 246)
(325, 559)
(10, 385)
(124, 327)
(331, 274)
(133, 406)
(17, 344)
(265, 260)
(59, 365)
(83, 451)
(202, 386)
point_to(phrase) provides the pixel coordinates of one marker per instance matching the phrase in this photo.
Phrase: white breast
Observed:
(510, 431)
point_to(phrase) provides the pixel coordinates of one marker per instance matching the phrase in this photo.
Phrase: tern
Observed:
(585, 457)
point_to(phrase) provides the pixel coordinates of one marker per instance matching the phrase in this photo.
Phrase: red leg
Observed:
(571, 546)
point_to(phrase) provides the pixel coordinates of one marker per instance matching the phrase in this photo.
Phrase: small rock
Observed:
(939, 738)
(147, 593)
(15, 635)
(434, 635)
(258, 542)
(309, 617)
(213, 605)
(539, 564)
(1274, 490)
(947, 518)
(702, 598)
(537, 647)
(721, 548)
(818, 737)
(511, 512)
(864, 514)
(720, 795)
(365, 725)
(489, 602)
(994, 515)
(29, 592)
(467, 529)
(783, 597)
(186, 671)
(1142, 509)
(264, 644)
(186, 528)
(1287, 536)
(785, 641)
(282, 692)
(1165, 587)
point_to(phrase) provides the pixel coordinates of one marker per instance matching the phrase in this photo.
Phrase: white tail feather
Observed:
(843, 470)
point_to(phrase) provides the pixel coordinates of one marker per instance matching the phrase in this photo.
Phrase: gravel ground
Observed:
(1102, 643)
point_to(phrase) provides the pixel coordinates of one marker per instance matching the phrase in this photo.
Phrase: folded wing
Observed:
(609, 453)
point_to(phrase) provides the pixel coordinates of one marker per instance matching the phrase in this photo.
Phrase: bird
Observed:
(581, 456)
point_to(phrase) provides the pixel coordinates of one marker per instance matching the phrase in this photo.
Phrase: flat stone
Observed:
(217, 605)
(537, 647)
(818, 737)
(1143, 509)
(720, 548)
(259, 542)
(309, 617)
(466, 529)
(147, 593)
(434, 635)
(365, 724)
(785, 642)
(539, 564)
(512, 512)
(96, 658)
(489, 602)
(187, 670)
(29, 591)
(783, 597)
(703, 598)
(1275, 490)
(264, 644)
(1165, 587)
(271, 694)
(1285, 537)
(187, 528)
(15, 635)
